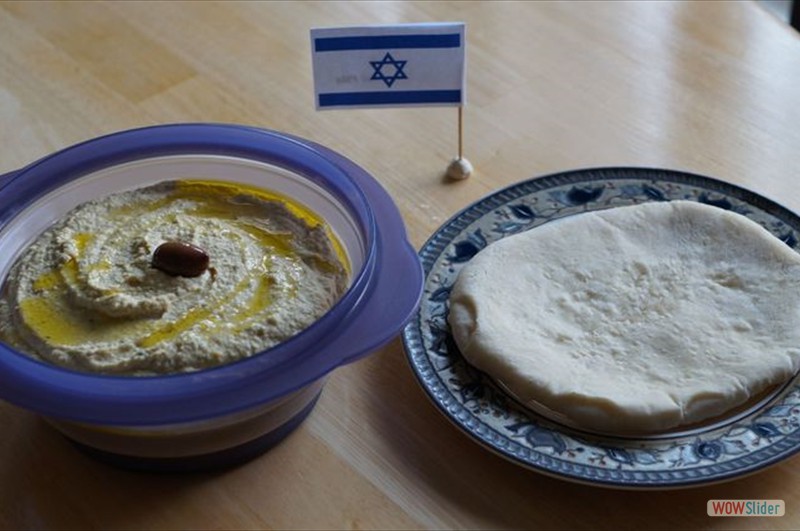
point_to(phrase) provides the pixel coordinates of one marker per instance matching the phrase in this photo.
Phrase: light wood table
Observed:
(708, 87)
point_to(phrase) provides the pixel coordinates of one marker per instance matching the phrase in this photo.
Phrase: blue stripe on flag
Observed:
(388, 98)
(377, 42)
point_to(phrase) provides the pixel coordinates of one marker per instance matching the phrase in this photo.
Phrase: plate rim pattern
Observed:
(569, 468)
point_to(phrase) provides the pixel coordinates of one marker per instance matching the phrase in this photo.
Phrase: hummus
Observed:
(86, 295)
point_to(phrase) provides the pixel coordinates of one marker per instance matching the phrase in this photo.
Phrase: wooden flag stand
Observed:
(460, 168)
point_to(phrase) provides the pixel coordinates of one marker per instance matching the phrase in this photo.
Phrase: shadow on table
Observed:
(461, 478)
(51, 484)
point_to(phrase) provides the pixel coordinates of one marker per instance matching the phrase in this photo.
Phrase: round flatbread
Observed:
(633, 319)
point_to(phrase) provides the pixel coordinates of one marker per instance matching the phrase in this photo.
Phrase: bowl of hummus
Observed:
(174, 297)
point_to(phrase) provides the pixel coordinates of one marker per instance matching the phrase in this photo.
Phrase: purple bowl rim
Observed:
(180, 139)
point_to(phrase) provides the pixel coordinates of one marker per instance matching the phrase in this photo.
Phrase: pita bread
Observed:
(633, 319)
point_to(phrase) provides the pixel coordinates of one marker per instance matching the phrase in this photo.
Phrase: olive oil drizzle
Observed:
(47, 313)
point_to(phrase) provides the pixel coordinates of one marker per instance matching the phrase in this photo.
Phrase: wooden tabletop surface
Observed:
(708, 87)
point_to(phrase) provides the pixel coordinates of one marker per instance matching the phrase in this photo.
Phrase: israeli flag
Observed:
(389, 66)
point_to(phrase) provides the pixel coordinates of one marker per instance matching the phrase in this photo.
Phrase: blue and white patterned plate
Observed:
(750, 440)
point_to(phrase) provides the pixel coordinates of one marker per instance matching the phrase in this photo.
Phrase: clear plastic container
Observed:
(227, 414)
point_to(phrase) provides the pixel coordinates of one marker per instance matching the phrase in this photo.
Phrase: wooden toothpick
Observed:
(460, 131)
(460, 168)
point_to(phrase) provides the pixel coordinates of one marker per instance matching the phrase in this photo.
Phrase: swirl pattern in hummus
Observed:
(85, 295)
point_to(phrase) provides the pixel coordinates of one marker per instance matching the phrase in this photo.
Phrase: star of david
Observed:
(387, 61)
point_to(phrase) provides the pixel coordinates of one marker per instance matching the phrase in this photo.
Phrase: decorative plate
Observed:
(750, 440)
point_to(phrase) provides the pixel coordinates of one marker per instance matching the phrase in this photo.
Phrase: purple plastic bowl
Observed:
(227, 414)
